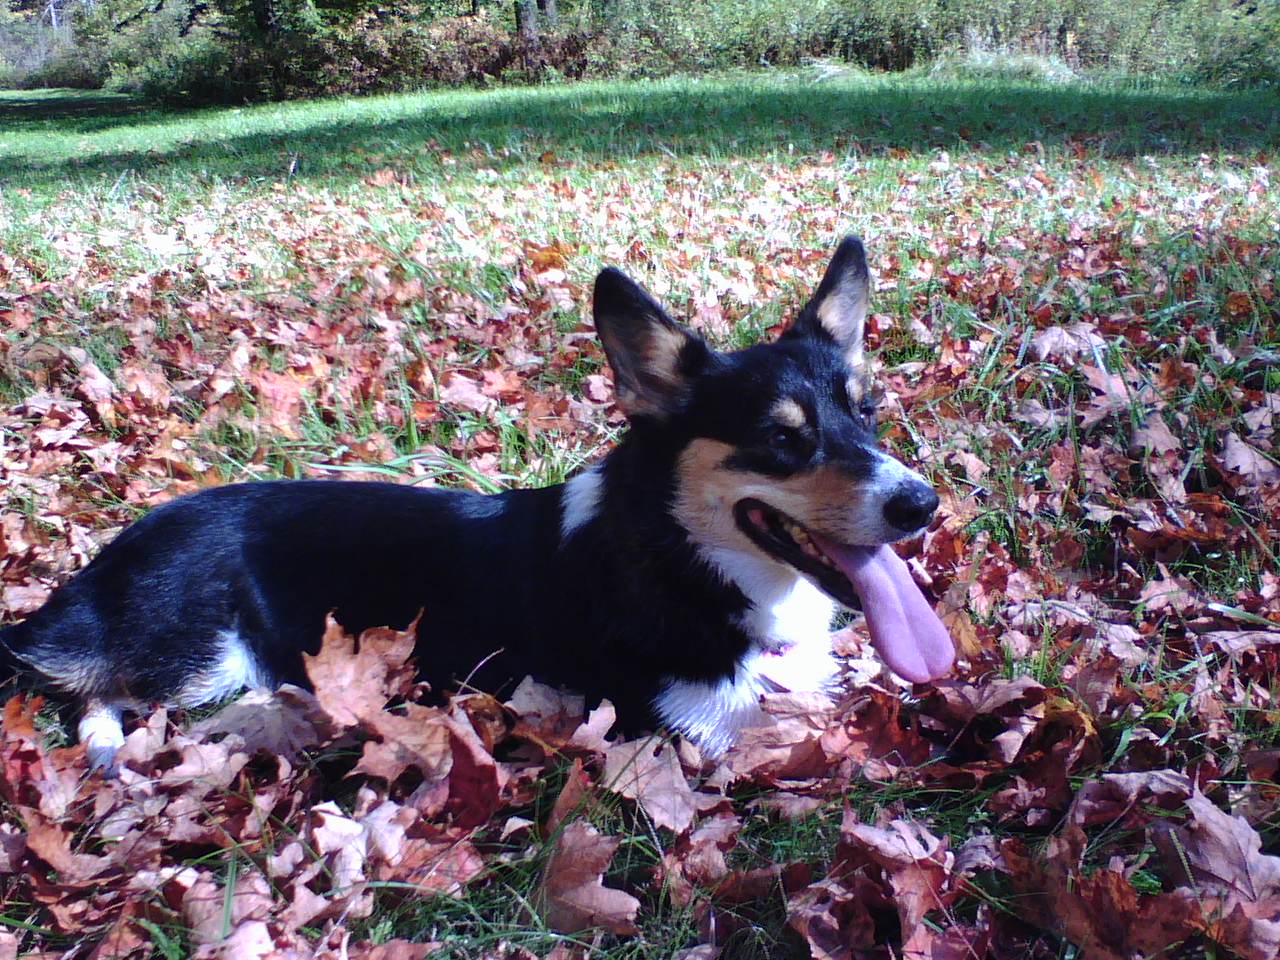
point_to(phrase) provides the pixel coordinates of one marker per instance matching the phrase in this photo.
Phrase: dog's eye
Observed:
(867, 409)
(785, 439)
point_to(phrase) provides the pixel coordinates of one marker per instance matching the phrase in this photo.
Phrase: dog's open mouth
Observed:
(904, 629)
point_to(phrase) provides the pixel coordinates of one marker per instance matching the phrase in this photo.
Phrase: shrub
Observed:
(978, 63)
(1237, 46)
(233, 50)
(196, 69)
(371, 53)
(69, 67)
(33, 54)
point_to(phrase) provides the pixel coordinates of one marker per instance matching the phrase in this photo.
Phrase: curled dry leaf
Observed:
(917, 866)
(282, 722)
(212, 913)
(546, 716)
(573, 799)
(787, 747)
(1249, 462)
(459, 776)
(1067, 343)
(834, 916)
(958, 942)
(698, 858)
(391, 950)
(1128, 797)
(1218, 855)
(1101, 912)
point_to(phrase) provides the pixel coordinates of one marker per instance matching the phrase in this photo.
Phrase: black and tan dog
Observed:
(693, 569)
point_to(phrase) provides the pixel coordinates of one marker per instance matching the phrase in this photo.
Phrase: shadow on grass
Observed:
(747, 117)
(78, 111)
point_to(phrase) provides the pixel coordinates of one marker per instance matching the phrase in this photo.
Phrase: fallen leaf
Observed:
(282, 722)
(353, 680)
(572, 896)
(648, 771)
(1246, 460)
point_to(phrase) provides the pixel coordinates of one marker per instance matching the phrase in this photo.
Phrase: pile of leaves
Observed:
(273, 826)
(1080, 351)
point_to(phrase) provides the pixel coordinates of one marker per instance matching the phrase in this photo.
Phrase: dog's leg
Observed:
(102, 733)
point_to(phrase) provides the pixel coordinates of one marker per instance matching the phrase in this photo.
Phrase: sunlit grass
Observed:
(687, 181)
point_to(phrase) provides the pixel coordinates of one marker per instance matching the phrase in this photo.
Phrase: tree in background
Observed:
(229, 50)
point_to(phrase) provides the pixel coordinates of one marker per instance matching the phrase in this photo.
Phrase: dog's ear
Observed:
(838, 310)
(652, 356)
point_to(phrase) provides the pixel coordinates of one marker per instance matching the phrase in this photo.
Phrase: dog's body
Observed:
(687, 573)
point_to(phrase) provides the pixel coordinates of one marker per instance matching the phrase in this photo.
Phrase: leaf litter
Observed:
(1096, 401)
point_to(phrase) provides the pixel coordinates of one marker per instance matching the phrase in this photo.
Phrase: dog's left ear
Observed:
(653, 357)
(838, 310)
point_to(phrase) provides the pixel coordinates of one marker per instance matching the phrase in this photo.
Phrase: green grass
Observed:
(694, 184)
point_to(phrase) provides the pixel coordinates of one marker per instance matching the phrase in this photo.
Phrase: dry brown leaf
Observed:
(788, 746)
(1155, 436)
(917, 864)
(461, 391)
(834, 918)
(1248, 461)
(572, 896)
(282, 722)
(280, 401)
(698, 858)
(573, 799)
(590, 735)
(648, 771)
(1101, 912)
(392, 950)
(353, 681)
(1067, 343)
(1128, 795)
(1222, 852)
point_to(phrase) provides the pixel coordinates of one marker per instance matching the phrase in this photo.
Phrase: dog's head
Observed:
(778, 461)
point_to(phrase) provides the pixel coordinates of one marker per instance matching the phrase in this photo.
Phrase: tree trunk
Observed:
(551, 13)
(527, 21)
(266, 17)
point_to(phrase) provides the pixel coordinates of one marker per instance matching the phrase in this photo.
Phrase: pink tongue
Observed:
(904, 629)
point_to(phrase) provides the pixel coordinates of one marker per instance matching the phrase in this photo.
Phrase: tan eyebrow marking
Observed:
(789, 413)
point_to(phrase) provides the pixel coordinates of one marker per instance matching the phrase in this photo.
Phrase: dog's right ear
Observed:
(653, 357)
(838, 310)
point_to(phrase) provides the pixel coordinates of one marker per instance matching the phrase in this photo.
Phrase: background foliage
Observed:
(236, 50)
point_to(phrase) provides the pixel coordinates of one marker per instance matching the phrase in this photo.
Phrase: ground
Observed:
(1075, 319)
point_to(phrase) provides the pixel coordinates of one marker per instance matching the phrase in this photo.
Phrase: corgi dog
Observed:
(694, 568)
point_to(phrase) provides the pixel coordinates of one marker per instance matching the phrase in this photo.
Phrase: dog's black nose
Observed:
(911, 507)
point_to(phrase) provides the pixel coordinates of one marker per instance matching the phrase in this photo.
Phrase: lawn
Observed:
(1078, 329)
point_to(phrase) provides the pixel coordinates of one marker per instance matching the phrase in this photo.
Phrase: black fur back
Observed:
(622, 604)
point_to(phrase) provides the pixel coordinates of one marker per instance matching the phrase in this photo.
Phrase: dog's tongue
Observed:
(904, 629)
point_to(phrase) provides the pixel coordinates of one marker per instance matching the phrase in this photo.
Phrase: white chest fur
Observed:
(794, 653)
